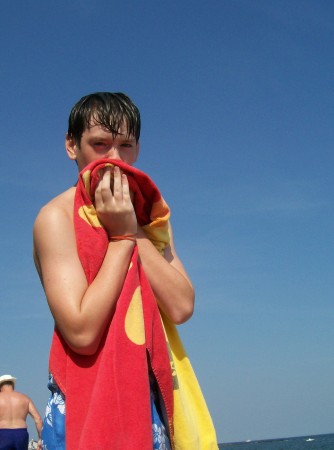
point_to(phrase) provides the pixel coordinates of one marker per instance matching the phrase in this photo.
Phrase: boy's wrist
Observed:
(123, 237)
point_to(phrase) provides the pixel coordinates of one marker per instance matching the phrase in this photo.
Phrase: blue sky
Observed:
(237, 105)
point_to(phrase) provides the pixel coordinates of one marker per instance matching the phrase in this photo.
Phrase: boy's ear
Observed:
(71, 147)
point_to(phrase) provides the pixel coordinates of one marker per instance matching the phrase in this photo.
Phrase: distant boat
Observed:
(309, 440)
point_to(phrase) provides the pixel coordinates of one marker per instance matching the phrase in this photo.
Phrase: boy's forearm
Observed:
(172, 288)
(84, 328)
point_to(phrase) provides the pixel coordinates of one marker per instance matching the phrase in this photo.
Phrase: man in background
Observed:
(14, 409)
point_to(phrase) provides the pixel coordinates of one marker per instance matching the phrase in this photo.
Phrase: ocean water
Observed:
(319, 442)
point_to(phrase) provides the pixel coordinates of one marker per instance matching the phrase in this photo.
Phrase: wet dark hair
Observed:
(107, 109)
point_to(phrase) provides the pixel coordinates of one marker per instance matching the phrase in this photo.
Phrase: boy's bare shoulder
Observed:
(57, 208)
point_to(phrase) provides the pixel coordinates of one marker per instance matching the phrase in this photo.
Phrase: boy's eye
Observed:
(126, 145)
(99, 144)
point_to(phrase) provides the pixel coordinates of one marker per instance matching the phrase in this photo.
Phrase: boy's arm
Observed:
(82, 312)
(168, 279)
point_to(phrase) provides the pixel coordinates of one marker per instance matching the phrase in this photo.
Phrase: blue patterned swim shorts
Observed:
(53, 433)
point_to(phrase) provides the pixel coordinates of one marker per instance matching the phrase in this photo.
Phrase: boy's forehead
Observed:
(97, 129)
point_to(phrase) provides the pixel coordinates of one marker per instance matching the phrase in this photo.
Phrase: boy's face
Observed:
(97, 143)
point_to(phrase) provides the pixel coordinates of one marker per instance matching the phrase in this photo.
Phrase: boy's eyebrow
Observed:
(118, 137)
(124, 137)
(130, 138)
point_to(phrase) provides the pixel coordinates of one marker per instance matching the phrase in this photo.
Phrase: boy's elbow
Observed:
(184, 313)
(84, 344)
(182, 316)
(84, 350)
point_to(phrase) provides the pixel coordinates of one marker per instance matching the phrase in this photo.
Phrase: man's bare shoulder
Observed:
(20, 395)
(14, 396)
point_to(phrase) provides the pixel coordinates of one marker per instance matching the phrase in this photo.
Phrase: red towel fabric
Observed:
(108, 394)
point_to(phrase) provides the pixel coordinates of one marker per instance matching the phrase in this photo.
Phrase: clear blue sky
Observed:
(237, 105)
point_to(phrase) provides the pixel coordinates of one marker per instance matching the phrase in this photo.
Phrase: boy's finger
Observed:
(117, 182)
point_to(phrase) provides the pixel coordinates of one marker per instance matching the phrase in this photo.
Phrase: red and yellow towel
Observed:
(107, 394)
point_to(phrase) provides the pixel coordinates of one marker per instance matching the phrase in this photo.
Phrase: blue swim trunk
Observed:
(53, 433)
(14, 439)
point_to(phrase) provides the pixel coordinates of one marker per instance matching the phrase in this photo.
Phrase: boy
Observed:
(101, 125)
(115, 286)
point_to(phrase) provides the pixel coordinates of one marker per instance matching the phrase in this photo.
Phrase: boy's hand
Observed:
(113, 204)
